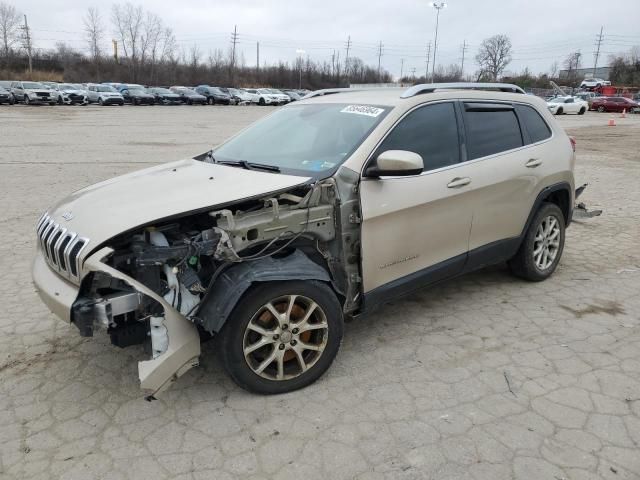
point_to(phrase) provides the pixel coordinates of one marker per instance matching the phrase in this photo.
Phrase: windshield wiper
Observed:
(249, 165)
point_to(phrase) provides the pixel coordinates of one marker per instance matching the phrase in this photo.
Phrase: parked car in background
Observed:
(265, 97)
(615, 104)
(563, 105)
(104, 95)
(164, 96)
(214, 95)
(136, 95)
(5, 96)
(32, 92)
(253, 96)
(594, 83)
(242, 97)
(189, 96)
(282, 98)
(293, 95)
(69, 94)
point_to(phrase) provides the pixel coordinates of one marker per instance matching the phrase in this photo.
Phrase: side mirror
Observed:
(395, 163)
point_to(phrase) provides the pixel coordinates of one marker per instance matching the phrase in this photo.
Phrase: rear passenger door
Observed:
(506, 149)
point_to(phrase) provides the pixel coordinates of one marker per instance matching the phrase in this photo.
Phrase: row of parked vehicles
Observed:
(582, 102)
(54, 93)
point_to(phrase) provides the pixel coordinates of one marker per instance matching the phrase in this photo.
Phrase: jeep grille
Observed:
(61, 248)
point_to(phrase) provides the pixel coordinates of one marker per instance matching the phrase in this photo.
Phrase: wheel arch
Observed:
(229, 287)
(558, 194)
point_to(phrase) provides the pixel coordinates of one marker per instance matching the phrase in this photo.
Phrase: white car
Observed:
(244, 98)
(282, 97)
(594, 83)
(71, 94)
(265, 97)
(104, 95)
(560, 105)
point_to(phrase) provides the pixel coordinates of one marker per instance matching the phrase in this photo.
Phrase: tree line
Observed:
(148, 53)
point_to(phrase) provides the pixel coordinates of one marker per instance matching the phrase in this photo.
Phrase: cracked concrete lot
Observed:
(482, 377)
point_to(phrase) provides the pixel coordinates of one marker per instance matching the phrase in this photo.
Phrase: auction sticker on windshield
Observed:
(363, 110)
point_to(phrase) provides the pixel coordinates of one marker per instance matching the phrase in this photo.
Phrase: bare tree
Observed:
(572, 64)
(9, 27)
(494, 55)
(553, 70)
(128, 23)
(94, 31)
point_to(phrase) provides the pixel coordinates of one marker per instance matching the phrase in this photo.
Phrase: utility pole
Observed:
(234, 40)
(333, 63)
(401, 67)
(464, 49)
(413, 73)
(27, 43)
(426, 75)
(115, 49)
(599, 39)
(379, 59)
(257, 57)
(346, 58)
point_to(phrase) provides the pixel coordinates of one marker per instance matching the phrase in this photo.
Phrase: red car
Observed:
(614, 104)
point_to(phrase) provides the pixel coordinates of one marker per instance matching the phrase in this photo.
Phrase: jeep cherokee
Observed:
(323, 210)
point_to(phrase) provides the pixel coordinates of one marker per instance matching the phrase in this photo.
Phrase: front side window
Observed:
(491, 131)
(534, 124)
(431, 132)
(301, 139)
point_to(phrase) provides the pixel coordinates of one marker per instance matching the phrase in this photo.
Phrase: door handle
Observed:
(533, 163)
(459, 182)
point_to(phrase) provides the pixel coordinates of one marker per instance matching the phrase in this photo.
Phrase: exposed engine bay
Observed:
(201, 263)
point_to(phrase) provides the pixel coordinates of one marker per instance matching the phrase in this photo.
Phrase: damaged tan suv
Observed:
(323, 210)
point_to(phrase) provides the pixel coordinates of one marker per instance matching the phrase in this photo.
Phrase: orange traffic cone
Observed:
(624, 113)
(612, 122)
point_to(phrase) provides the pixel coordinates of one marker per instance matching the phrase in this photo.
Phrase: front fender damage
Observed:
(183, 349)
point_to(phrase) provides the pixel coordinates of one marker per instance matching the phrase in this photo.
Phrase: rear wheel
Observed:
(559, 111)
(601, 109)
(582, 110)
(261, 101)
(211, 101)
(281, 336)
(542, 246)
(101, 102)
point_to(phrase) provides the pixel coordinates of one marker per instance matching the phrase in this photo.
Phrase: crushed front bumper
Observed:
(183, 349)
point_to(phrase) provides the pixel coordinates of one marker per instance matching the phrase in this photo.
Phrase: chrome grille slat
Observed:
(61, 247)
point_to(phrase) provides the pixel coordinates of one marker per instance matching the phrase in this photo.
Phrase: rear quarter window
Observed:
(533, 123)
(491, 131)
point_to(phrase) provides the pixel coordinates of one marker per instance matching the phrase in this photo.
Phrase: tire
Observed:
(189, 102)
(582, 110)
(601, 109)
(236, 336)
(60, 102)
(12, 100)
(100, 102)
(560, 111)
(26, 100)
(52, 104)
(211, 101)
(531, 266)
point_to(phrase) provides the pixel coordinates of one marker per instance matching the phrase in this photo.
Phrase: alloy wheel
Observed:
(285, 337)
(546, 243)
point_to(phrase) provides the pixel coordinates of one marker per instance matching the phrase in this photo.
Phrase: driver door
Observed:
(415, 229)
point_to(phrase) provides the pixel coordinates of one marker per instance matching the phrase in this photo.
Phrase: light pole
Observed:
(300, 54)
(438, 6)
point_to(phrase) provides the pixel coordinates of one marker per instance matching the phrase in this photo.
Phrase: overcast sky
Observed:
(542, 31)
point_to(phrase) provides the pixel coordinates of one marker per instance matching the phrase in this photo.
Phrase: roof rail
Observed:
(431, 87)
(330, 91)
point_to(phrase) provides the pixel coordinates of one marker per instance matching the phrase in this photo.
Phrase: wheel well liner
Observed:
(229, 287)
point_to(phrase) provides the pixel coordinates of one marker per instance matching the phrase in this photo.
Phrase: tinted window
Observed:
(491, 131)
(431, 132)
(534, 124)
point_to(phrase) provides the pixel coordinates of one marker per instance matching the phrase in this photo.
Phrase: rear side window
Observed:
(491, 131)
(431, 132)
(533, 123)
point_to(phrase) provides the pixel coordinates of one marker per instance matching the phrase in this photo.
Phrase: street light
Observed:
(438, 6)
(300, 54)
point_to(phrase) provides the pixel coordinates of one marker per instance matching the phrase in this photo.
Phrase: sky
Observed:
(541, 32)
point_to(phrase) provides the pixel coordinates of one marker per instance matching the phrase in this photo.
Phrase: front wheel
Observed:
(281, 336)
(601, 109)
(542, 246)
(26, 100)
(582, 110)
(211, 101)
(559, 111)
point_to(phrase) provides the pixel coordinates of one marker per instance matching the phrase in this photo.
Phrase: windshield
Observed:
(138, 90)
(32, 85)
(77, 86)
(105, 88)
(66, 86)
(304, 138)
(161, 90)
